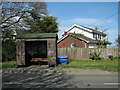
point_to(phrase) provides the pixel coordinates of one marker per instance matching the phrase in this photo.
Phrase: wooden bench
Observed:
(39, 60)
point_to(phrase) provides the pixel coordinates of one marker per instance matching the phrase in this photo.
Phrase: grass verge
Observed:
(106, 64)
(11, 64)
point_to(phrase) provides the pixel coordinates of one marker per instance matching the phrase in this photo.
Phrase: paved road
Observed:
(93, 78)
(45, 77)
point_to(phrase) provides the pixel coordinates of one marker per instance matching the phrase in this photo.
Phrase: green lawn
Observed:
(106, 64)
(11, 64)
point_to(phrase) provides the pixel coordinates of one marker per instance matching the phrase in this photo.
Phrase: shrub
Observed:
(70, 60)
(8, 50)
(95, 56)
(116, 57)
(111, 57)
(92, 57)
(9, 64)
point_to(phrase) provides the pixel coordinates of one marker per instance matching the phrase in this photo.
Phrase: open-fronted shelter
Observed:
(36, 47)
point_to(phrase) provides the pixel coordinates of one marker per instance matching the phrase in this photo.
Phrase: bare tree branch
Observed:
(12, 10)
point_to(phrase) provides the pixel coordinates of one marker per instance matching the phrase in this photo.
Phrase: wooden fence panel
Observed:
(84, 53)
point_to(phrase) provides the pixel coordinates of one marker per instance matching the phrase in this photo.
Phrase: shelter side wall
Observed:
(20, 51)
(51, 49)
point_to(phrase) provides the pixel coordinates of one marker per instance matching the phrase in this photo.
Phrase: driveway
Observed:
(50, 77)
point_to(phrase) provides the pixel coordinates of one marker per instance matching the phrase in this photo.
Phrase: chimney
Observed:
(96, 28)
(65, 33)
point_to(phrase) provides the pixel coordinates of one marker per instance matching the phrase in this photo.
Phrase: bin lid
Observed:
(62, 56)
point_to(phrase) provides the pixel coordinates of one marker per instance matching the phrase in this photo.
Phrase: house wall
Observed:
(92, 45)
(80, 31)
(70, 40)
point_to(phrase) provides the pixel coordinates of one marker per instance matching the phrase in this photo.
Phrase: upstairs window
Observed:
(93, 35)
(98, 36)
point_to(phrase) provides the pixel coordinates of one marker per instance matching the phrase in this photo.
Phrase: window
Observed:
(93, 35)
(72, 45)
(98, 36)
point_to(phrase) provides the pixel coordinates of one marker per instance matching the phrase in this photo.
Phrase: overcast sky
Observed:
(88, 14)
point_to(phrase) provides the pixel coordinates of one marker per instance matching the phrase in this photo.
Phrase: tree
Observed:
(49, 24)
(14, 12)
(102, 41)
(8, 49)
(45, 24)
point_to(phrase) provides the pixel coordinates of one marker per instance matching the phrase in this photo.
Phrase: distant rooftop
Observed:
(36, 35)
(85, 28)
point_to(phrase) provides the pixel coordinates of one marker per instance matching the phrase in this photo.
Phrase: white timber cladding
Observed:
(82, 30)
(92, 46)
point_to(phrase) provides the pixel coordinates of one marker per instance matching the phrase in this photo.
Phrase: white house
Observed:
(92, 36)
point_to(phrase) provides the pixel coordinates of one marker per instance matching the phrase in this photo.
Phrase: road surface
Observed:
(49, 77)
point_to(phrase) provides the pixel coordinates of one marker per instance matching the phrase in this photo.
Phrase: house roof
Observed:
(82, 37)
(85, 28)
(93, 30)
(36, 35)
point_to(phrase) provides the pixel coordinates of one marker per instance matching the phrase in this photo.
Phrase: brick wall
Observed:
(69, 40)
